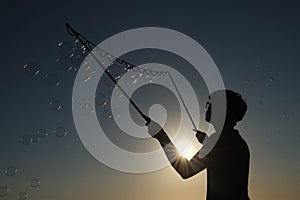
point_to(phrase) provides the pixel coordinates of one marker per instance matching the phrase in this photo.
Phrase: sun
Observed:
(188, 150)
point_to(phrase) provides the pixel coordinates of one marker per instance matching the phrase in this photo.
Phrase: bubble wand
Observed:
(87, 44)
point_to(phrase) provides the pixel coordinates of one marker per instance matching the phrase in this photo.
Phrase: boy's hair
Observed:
(236, 106)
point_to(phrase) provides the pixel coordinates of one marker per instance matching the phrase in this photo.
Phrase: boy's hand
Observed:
(200, 136)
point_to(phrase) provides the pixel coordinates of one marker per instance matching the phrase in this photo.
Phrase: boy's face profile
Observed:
(208, 111)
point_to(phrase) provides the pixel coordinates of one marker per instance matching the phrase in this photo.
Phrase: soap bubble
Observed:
(87, 108)
(26, 139)
(271, 79)
(284, 115)
(109, 83)
(71, 55)
(64, 64)
(52, 80)
(134, 81)
(60, 132)
(78, 50)
(10, 171)
(65, 49)
(3, 191)
(55, 105)
(43, 133)
(35, 138)
(35, 182)
(106, 114)
(115, 113)
(257, 66)
(100, 100)
(31, 69)
(22, 196)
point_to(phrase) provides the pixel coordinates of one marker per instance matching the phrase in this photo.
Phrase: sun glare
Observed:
(188, 150)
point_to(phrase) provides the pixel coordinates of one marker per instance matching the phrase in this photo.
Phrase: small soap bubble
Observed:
(55, 105)
(3, 191)
(260, 105)
(35, 139)
(78, 51)
(115, 113)
(135, 69)
(64, 64)
(26, 139)
(106, 114)
(271, 79)
(52, 80)
(65, 49)
(134, 81)
(87, 108)
(102, 53)
(153, 73)
(60, 132)
(31, 69)
(22, 196)
(292, 116)
(257, 66)
(35, 182)
(109, 83)
(86, 79)
(100, 100)
(111, 58)
(43, 133)
(10, 170)
(284, 115)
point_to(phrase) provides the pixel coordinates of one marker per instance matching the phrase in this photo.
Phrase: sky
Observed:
(255, 46)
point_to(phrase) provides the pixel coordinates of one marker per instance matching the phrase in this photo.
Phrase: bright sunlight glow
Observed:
(188, 150)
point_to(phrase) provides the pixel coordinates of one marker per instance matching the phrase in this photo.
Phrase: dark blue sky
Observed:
(255, 45)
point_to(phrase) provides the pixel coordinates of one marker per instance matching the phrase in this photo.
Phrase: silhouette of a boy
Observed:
(227, 163)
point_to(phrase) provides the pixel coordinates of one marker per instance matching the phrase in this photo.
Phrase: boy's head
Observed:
(236, 106)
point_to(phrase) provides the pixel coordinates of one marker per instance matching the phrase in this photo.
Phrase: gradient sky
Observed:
(255, 46)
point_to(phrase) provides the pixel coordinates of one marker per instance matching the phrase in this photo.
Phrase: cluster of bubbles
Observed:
(12, 171)
(115, 69)
(254, 83)
(267, 79)
(28, 139)
(22, 196)
(71, 55)
(32, 69)
(70, 59)
(35, 138)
